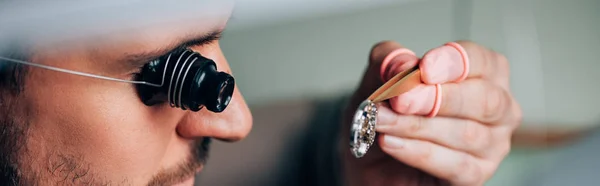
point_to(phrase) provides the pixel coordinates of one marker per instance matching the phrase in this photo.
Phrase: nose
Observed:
(232, 124)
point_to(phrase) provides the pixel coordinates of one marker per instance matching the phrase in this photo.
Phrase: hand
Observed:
(462, 145)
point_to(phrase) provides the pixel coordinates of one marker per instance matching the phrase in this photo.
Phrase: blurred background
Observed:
(295, 60)
(288, 52)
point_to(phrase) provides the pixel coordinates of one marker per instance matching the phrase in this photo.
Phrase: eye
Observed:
(152, 65)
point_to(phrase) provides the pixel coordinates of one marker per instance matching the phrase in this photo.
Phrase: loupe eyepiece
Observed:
(211, 89)
(224, 86)
(189, 81)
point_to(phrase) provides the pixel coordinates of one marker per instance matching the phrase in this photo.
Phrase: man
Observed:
(65, 129)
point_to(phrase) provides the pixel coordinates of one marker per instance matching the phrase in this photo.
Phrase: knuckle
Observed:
(501, 59)
(488, 63)
(468, 172)
(475, 175)
(416, 125)
(504, 149)
(424, 155)
(473, 136)
(460, 101)
(502, 64)
(495, 104)
(457, 174)
(501, 146)
(493, 61)
(455, 100)
(486, 170)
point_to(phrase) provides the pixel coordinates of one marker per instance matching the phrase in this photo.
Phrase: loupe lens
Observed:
(224, 92)
(210, 88)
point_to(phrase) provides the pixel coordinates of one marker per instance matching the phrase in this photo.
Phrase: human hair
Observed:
(12, 74)
(12, 129)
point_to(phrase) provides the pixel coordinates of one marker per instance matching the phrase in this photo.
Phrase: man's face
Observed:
(86, 130)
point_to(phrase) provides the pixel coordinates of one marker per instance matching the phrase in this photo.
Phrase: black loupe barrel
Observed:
(189, 81)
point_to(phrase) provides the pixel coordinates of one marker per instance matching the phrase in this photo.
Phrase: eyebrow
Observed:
(137, 60)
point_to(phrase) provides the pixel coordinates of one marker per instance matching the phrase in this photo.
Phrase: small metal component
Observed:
(362, 132)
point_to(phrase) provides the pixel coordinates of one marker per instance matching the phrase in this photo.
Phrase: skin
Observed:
(462, 145)
(83, 130)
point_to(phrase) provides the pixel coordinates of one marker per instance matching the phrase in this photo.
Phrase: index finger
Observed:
(456, 61)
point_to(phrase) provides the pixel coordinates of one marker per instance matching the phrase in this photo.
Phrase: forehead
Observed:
(111, 25)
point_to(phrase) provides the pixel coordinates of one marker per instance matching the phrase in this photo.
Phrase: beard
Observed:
(13, 136)
(186, 169)
(12, 129)
(9, 144)
(12, 139)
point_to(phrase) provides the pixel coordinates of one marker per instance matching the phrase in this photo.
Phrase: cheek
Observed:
(105, 124)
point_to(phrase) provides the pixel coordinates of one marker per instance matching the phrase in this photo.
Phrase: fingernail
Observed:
(441, 65)
(385, 117)
(419, 100)
(393, 142)
(398, 64)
